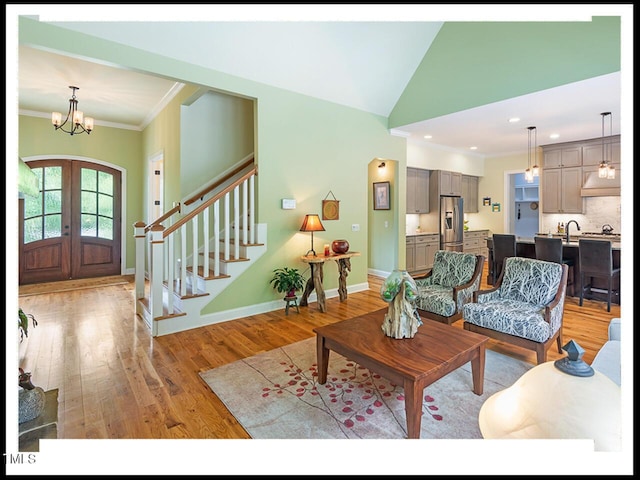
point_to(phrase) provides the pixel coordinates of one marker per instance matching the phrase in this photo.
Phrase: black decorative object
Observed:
(573, 364)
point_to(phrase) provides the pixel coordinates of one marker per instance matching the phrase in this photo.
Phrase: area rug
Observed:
(275, 395)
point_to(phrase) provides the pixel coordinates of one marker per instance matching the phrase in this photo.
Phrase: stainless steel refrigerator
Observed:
(451, 224)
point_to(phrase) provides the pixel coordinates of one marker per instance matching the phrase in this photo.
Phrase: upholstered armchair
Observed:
(525, 308)
(449, 285)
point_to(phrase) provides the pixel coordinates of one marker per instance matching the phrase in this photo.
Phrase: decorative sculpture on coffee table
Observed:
(402, 319)
(31, 399)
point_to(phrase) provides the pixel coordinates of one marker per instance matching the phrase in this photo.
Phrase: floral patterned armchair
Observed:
(449, 285)
(525, 308)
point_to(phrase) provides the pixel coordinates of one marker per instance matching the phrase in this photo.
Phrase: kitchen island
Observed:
(525, 247)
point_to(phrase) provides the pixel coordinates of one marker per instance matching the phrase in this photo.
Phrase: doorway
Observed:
(72, 229)
(525, 215)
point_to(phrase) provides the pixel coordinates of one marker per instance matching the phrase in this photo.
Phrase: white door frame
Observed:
(156, 186)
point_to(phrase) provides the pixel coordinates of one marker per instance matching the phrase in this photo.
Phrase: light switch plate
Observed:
(288, 204)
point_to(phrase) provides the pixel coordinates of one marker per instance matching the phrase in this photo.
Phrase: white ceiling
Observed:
(365, 65)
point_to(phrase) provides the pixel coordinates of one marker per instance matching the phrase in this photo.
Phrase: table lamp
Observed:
(312, 224)
(565, 399)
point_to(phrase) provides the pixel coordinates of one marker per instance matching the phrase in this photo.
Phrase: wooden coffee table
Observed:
(414, 363)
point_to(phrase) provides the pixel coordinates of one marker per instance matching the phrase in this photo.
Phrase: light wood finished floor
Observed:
(116, 382)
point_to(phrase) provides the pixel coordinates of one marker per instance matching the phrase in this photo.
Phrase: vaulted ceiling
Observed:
(366, 65)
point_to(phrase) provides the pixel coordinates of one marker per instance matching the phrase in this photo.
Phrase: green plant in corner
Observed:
(23, 323)
(287, 280)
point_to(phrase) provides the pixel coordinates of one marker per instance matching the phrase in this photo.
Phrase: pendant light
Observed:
(528, 173)
(535, 170)
(606, 170)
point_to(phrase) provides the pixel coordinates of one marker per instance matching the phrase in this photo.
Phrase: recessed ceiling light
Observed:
(473, 148)
(554, 135)
(428, 137)
(514, 120)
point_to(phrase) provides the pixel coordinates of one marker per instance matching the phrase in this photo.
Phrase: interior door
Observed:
(72, 229)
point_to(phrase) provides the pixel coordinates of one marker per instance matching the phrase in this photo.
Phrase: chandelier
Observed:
(606, 170)
(75, 116)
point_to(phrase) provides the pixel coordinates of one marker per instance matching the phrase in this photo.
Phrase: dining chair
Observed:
(549, 249)
(596, 261)
(504, 245)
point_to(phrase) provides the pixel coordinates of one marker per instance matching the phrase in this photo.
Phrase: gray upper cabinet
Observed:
(570, 156)
(470, 193)
(446, 183)
(417, 190)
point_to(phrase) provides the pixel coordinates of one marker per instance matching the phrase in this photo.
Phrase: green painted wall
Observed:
(304, 148)
(114, 146)
(471, 64)
(216, 133)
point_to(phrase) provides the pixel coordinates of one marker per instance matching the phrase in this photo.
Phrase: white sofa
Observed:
(607, 360)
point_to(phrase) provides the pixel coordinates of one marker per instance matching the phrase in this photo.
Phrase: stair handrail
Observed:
(200, 195)
(200, 208)
(176, 209)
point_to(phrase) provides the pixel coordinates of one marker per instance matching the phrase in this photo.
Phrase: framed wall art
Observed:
(330, 208)
(381, 196)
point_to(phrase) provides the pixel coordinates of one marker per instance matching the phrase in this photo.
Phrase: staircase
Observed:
(173, 284)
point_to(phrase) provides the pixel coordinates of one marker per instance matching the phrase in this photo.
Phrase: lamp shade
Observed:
(312, 223)
(546, 403)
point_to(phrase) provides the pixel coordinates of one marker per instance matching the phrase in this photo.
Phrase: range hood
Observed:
(594, 186)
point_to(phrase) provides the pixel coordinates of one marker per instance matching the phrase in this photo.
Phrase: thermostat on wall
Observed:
(288, 204)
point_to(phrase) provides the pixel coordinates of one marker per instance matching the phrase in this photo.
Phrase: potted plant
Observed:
(287, 280)
(23, 323)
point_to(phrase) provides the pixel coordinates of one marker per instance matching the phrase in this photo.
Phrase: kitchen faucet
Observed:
(566, 228)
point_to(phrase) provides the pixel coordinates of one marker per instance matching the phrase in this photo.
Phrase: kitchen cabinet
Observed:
(561, 178)
(420, 252)
(470, 193)
(561, 190)
(417, 190)
(592, 151)
(475, 242)
(563, 156)
(410, 254)
(443, 182)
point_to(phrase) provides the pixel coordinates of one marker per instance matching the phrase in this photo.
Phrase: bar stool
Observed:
(504, 245)
(549, 249)
(596, 261)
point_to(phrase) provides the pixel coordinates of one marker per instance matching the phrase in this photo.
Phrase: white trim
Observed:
(123, 206)
(247, 311)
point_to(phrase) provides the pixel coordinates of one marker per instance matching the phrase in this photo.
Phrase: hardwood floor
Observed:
(117, 382)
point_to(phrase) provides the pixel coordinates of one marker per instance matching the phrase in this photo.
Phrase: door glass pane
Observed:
(32, 206)
(53, 178)
(105, 205)
(105, 228)
(52, 226)
(32, 229)
(52, 202)
(88, 179)
(89, 225)
(88, 202)
(105, 183)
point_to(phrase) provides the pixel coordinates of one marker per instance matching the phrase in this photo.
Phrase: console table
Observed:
(316, 262)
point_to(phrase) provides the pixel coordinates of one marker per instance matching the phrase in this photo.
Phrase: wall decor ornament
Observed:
(381, 196)
(330, 208)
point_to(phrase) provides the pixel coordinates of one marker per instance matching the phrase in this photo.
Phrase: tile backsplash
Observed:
(598, 212)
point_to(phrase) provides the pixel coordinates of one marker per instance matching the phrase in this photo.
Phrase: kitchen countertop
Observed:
(436, 233)
(571, 243)
(421, 233)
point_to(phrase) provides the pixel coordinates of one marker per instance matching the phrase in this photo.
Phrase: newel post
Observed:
(156, 269)
(139, 235)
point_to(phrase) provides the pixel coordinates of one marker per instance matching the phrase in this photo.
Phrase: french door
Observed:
(72, 229)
